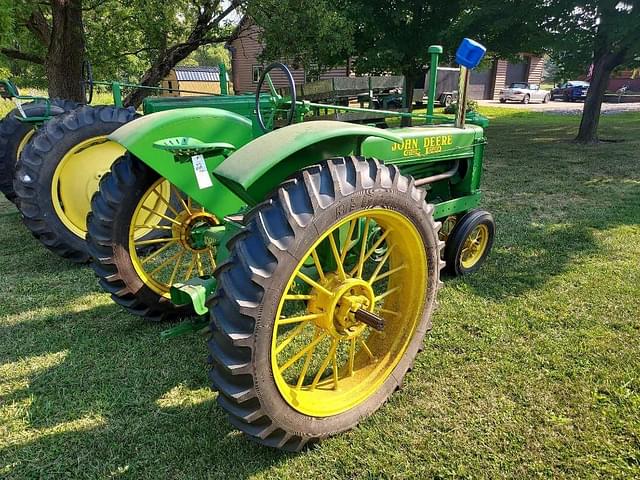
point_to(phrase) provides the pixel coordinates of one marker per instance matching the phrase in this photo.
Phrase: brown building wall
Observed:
(246, 48)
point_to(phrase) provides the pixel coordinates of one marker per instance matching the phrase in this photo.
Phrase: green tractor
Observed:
(64, 156)
(327, 243)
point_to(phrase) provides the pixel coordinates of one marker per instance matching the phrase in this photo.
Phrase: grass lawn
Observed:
(532, 369)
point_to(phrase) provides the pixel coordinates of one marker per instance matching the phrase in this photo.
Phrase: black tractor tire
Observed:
(108, 224)
(456, 241)
(37, 166)
(12, 134)
(277, 234)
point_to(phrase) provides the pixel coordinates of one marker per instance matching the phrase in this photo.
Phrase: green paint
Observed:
(435, 51)
(195, 292)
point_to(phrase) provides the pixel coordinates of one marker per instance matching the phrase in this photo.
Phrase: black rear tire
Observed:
(255, 276)
(12, 135)
(455, 244)
(37, 168)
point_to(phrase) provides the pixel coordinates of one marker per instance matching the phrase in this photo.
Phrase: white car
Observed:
(524, 93)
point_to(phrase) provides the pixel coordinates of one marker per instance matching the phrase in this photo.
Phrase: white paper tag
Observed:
(200, 169)
(19, 105)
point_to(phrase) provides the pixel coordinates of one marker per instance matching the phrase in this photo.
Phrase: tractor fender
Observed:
(203, 123)
(260, 166)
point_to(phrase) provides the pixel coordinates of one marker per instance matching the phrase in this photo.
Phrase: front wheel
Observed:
(316, 318)
(546, 99)
(526, 99)
(470, 242)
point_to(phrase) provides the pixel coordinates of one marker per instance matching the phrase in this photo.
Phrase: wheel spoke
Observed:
(335, 370)
(199, 264)
(179, 195)
(299, 318)
(363, 248)
(288, 339)
(380, 265)
(370, 252)
(164, 200)
(154, 241)
(387, 273)
(211, 259)
(366, 349)
(192, 264)
(175, 269)
(157, 252)
(387, 293)
(153, 227)
(161, 215)
(163, 265)
(352, 356)
(389, 312)
(298, 297)
(352, 227)
(336, 255)
(302, 352)
(316, 260)
(325, 364)
(307, 360)
(313, 283)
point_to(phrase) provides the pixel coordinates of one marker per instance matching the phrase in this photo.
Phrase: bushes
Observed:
(472, 106)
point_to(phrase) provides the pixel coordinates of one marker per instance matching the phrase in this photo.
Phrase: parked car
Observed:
(524, 92)
(571, 91)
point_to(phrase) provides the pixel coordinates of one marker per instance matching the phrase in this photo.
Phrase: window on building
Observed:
(256, 71)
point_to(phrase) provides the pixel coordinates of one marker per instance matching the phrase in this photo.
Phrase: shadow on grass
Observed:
(98, 393)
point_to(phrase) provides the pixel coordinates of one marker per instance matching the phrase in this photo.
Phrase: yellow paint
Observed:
(325, 362)
(76, 179)
(474, 246)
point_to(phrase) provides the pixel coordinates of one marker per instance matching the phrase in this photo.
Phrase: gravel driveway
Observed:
(564, 108)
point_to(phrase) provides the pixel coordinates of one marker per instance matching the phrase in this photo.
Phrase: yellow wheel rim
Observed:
(324, 361)
(474, 246)
(160, 242)
(23, 142)
(76, 179)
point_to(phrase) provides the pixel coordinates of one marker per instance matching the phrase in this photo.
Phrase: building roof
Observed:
(198, 74)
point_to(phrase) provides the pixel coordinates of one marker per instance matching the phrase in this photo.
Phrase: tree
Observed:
(392, 36)
(135, 40)
(610, 31)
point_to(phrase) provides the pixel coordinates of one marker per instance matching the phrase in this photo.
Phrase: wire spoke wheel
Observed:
(144, 235)
(325, 360)
(323, 302)
(161, 244)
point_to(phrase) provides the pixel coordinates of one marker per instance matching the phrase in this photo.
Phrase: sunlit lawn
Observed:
(532, 369)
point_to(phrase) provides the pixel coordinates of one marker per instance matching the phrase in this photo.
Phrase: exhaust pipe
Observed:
(468, 56)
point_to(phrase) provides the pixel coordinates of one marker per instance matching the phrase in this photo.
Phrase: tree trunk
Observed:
(66, 50)
(602, 69)
(410, 78)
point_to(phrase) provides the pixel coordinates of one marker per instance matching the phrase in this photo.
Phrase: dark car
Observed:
(570, 91)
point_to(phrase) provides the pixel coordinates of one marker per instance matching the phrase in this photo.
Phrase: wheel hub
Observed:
(338, 307)
(189, 229)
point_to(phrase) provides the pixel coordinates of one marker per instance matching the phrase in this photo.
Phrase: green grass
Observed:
(532, 369)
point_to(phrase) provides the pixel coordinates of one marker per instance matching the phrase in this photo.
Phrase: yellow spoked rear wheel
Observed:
(323, 302)
(161, 246)
(324, 360)
(76, 179)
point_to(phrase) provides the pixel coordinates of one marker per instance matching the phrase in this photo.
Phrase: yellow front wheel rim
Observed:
(324, 361)
(474, 246)
(160, 244)
(76, 179)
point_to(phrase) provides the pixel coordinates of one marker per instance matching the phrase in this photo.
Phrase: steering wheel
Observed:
(87, 81)
(276, 99)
